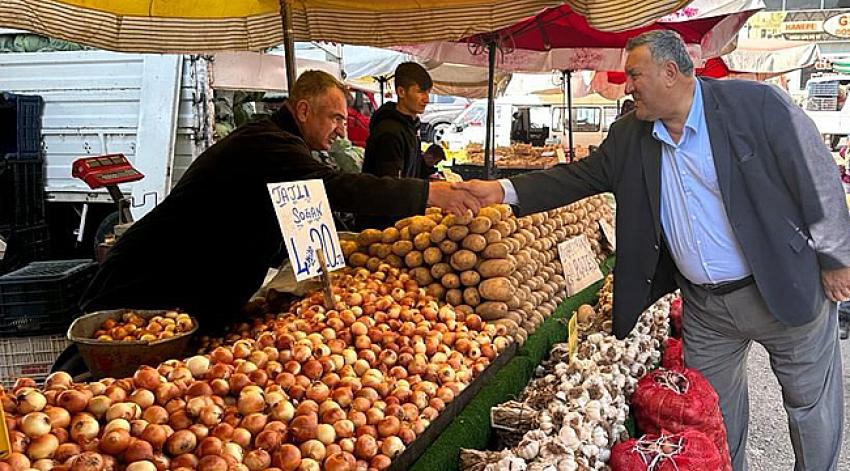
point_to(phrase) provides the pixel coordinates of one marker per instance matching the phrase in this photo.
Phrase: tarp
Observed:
(568, 41)
(228, 25)
(361, 64)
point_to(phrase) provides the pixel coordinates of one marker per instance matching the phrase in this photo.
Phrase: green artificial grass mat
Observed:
(471, 427)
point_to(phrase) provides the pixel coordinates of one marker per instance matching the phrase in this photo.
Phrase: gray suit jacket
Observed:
(779, 183)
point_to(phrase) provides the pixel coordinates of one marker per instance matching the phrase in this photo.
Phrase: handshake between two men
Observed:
(460, 197)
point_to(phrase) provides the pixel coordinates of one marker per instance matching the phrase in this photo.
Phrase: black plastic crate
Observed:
(20, 122)
(22, 198)
(24, 245)
(43, 297)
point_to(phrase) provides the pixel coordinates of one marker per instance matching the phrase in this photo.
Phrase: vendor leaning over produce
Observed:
(207, 247)
(725, 190)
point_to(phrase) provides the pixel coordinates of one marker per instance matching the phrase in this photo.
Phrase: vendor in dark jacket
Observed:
(208, 246)
(393, 148)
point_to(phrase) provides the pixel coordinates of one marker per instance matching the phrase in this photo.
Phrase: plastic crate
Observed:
(829, 88)
(21, 113)
(43, 297)
(822, 104)
(29, 357)
(22, 198)
(24, 245)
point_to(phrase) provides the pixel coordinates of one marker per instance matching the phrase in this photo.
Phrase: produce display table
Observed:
(471, 427)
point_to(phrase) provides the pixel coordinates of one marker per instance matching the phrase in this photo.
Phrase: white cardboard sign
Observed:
(307, 224)
(609, 233)
(579, 262)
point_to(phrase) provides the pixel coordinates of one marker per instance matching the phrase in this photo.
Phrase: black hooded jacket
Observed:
(392, 149)
(208, 245)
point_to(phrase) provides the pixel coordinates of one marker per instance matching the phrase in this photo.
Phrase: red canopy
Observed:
(561, 27)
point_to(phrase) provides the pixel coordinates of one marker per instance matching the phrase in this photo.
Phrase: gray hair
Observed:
(665, 45)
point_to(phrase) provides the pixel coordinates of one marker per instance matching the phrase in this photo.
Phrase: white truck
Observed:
(157, 110)
(826, 103)
(592, 116)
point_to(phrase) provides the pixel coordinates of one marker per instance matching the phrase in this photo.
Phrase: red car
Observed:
(361, 105)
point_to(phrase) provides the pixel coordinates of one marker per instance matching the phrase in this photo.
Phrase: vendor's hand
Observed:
(836, 284)
(455, 201)
(487, 192)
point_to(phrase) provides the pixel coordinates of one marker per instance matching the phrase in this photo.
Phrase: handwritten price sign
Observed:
(307, 224)
(579, 262)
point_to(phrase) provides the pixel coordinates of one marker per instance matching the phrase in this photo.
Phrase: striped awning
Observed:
(222, 25)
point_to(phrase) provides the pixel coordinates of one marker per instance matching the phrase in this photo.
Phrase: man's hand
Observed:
(456, 201)
(836, 284)
(487, 192)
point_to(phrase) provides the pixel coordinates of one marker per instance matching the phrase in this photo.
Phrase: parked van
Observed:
(535, 119)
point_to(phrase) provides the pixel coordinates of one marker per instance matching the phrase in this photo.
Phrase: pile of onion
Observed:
(312, 388)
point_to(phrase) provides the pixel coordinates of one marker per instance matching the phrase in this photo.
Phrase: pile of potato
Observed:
(503, 268)
(517, 155)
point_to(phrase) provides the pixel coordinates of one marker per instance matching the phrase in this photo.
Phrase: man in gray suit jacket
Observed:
(726, 190)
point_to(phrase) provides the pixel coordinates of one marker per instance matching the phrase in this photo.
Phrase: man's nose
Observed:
(629, 87)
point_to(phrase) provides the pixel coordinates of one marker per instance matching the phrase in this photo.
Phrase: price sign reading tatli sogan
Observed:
(307, 225)
(579, 262)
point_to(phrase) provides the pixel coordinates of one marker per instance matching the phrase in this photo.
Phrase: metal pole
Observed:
(489, 157)
(382, 80)
(569, 97)
(288, 43)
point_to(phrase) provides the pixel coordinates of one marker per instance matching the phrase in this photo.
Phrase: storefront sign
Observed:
(580, 267)
(838, 25)
(307, 225)
(800, 25)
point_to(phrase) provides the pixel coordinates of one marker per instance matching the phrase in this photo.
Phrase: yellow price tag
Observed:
(572, 335)
(5, 445)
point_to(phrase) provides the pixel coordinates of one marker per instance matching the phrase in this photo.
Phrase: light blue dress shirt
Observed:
(693, 217)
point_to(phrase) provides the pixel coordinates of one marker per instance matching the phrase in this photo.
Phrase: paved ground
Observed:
(769, 448)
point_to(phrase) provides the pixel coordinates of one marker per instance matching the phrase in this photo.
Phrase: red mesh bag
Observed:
(675, 400)
(676, 318)
(673, 357)
(690, 450)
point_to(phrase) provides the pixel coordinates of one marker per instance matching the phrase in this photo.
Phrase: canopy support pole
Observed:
(288, 43)
(566, 76)
(489, 142)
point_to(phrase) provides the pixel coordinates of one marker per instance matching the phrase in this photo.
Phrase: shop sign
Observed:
(579, 262)
(838, 25)
(800, 25)
(307, 225)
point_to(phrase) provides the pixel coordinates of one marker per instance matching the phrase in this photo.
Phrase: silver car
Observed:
(438, 116)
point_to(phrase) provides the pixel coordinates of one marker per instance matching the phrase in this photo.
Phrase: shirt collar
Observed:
(659, 132)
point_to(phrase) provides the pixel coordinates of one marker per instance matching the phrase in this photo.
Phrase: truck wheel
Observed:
(438, 132)
(105, 228)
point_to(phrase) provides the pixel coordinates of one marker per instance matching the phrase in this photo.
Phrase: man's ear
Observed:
(302, 109)
(401, 92)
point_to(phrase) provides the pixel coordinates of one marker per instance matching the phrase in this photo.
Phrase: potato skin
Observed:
(463, 260)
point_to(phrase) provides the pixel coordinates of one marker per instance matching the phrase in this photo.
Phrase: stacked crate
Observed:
(22, 201)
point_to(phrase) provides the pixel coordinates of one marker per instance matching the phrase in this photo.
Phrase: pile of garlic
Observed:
(572, 415)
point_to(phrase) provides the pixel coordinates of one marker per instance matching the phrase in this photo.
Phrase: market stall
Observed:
(431, 311)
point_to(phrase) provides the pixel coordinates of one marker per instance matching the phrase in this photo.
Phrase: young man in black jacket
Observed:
(393, 146)
(207, 247)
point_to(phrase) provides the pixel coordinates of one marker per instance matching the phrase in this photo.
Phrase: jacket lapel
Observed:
(719, 136)
(650, 151)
